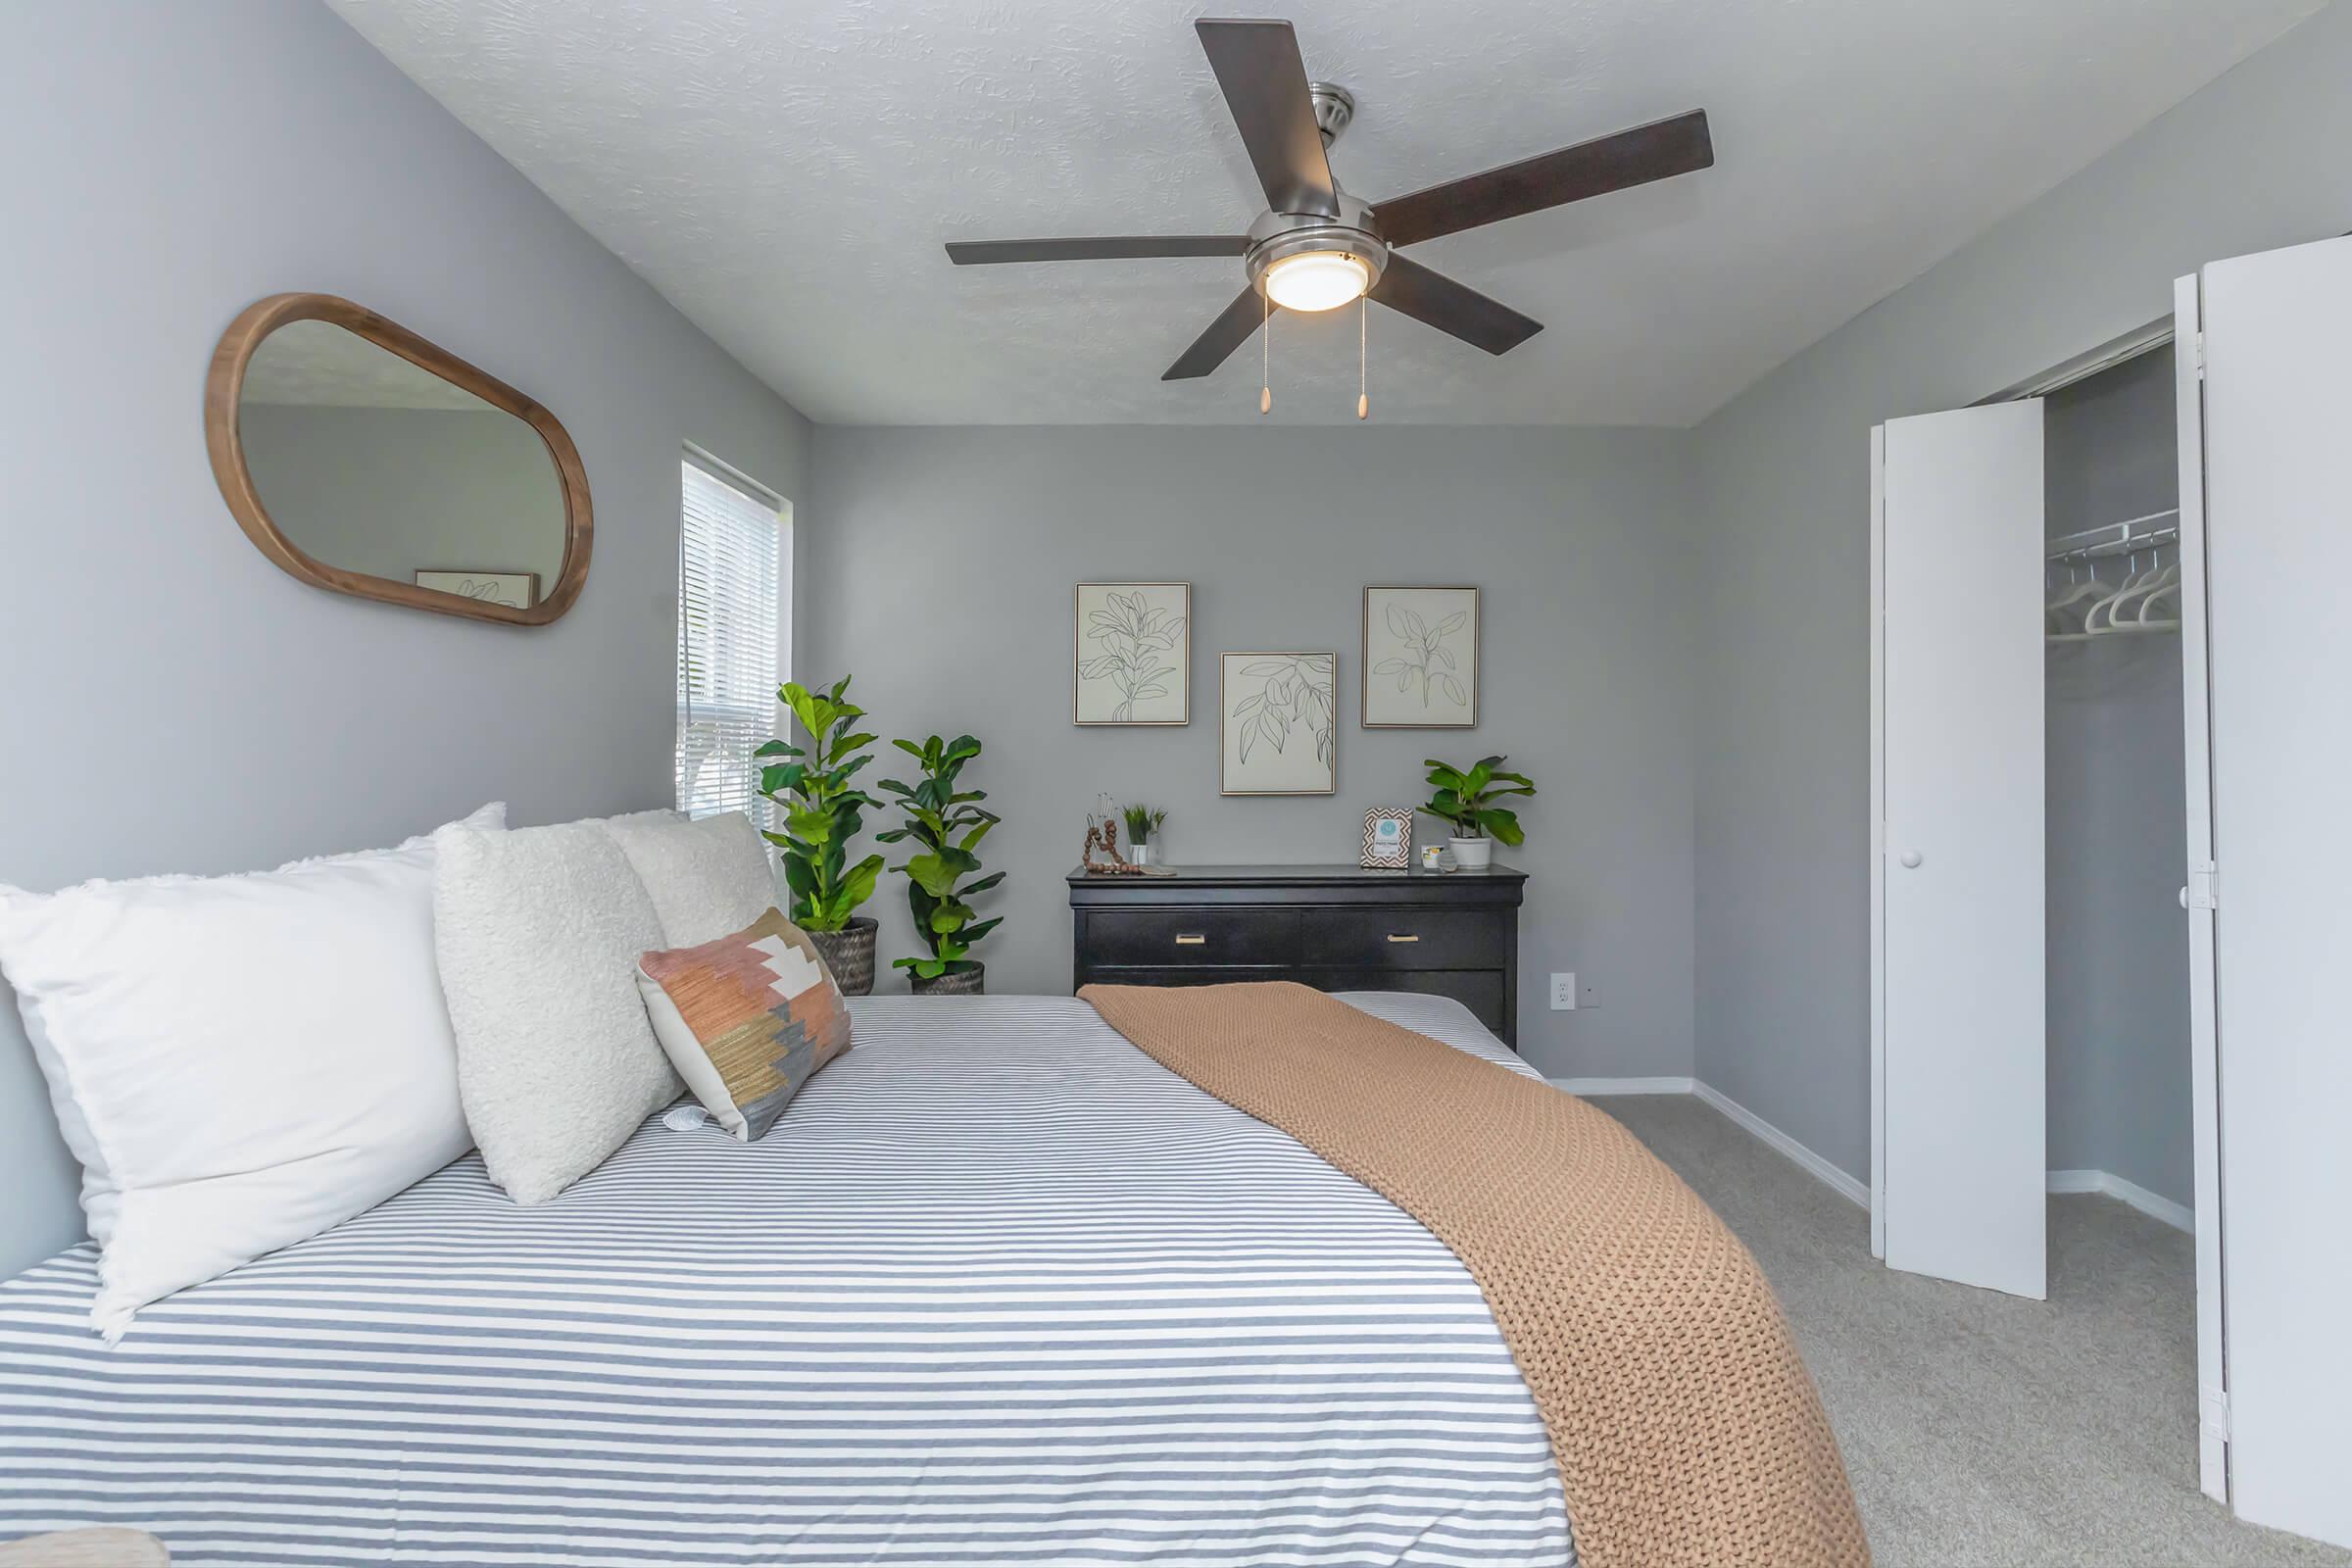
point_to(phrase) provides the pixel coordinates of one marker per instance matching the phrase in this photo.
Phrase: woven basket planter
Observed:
(970, 983)
(849, 953)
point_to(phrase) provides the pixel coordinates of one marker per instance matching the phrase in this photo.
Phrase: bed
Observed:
(1000, 1289)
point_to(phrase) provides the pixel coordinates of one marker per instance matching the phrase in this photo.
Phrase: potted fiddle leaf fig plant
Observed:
(1465, 801)
(823, 812)
(946, 825)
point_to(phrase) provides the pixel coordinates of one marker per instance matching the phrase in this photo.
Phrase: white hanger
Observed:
(2169, 588)
(2155, 582)
(2077, 590)
(2132, 585)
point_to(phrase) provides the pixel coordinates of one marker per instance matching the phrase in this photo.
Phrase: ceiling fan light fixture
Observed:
(1317, 280)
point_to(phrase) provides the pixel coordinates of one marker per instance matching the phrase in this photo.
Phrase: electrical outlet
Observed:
(1563, 992)
(1587, 994)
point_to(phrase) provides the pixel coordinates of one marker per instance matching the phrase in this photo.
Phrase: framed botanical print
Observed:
(518, 590)
(1132, 656)
(1278, 724)
(1420, 659)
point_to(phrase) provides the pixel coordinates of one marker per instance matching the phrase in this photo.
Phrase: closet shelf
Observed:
(2128, 537)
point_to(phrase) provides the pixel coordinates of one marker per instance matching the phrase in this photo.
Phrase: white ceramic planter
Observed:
(1140, 853)
(1472, 854)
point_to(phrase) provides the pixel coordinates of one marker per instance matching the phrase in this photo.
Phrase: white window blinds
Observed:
(733, 566)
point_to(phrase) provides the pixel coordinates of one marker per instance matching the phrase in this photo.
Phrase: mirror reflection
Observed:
(371, 463)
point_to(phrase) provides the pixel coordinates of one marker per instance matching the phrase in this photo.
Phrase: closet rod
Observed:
(2116, 538)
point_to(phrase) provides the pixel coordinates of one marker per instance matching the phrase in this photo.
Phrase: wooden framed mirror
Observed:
(365, 460)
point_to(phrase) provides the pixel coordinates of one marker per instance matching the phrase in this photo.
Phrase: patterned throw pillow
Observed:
(747, 1019)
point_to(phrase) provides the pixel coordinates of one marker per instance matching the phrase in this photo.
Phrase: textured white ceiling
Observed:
(786, 170)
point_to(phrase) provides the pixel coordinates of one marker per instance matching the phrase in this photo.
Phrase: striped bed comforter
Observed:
(998, 1289)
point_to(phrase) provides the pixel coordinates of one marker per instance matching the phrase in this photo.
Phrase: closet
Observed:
(2111, 716)
(2117, 951)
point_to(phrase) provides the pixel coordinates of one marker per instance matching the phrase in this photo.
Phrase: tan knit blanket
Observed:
(1686, 1431)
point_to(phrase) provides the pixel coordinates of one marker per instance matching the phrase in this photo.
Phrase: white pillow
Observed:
(653, 818)
(539, 932)
(707, 878)
(238, 1062)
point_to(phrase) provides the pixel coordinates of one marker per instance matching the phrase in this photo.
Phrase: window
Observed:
(734, 587)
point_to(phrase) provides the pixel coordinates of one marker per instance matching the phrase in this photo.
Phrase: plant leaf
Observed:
(1502, 825)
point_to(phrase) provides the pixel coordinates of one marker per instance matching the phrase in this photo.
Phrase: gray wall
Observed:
(2119, 1085)
(2260, 157)
(943, 578)
(172, 701)
(390, 491)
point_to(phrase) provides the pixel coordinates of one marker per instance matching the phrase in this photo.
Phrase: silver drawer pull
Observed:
(1394, 937)
(1185, 940)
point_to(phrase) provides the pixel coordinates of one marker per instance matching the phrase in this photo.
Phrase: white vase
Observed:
(1140, 853)
(1472, 854)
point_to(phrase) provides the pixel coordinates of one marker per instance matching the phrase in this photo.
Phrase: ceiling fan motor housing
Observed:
(1278, 236)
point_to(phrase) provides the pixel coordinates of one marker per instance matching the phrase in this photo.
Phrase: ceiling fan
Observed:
(1316, 246)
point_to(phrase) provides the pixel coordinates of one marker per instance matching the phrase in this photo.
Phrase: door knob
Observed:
(2185, 897)
(1909, 859)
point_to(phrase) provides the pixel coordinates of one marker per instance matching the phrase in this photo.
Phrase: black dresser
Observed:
(1334, 927)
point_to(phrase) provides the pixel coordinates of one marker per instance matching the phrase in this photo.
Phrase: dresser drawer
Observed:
(1204, 974)
(1187, 938)
(1406, 938)
(1482, 991)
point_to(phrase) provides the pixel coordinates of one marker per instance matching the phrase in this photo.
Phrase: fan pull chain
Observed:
(1363, 356)
(1265, 356)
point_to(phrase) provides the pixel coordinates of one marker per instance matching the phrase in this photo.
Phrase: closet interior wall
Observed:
(2118, 950)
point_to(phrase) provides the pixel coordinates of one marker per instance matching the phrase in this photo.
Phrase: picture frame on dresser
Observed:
(1131, 655)
(1420, 658)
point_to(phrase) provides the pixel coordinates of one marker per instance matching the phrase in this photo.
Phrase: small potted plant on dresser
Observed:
(947, 825)
(823, 812)
(1465, 801)
(1142, 821)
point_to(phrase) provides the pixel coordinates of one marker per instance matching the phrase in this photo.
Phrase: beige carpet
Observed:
(1980, 1429)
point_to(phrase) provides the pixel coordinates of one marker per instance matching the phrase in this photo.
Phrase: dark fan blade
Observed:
(1229, 332)
(1108, 248)
(1257, 64)
(1658, 151)
(1447, 306)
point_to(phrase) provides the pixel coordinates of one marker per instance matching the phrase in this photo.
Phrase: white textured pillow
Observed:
(657, 815)
(238, 1062)
(539, 932)
(707, 878)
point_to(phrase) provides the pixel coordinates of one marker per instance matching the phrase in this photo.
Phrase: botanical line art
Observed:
(1133, 638)
(1298, 693)
(1424, 652)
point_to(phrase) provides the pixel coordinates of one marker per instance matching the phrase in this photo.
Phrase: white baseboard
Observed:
(1829, 1175)
(1820, 1169)
(2179, 1216)
(1595, 1088)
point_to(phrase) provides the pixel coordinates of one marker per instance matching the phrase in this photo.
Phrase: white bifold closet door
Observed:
(1959, 1161)
(2277, 522)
